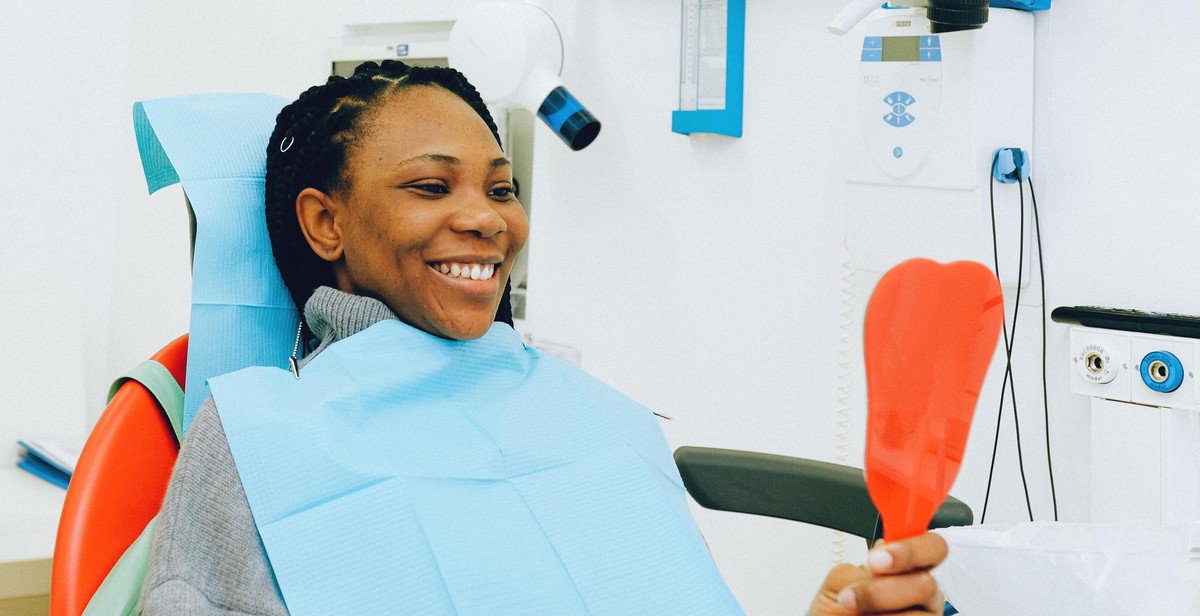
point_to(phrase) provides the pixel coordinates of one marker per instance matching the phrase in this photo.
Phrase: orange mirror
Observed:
(929, 336)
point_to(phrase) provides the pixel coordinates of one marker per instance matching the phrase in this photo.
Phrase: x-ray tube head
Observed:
(513, 53)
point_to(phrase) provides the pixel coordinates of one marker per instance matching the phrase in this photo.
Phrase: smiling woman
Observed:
(419, 458)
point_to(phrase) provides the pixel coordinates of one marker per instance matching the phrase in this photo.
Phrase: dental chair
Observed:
(120, 480)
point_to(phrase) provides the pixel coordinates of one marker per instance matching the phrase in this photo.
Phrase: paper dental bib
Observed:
(407, 474)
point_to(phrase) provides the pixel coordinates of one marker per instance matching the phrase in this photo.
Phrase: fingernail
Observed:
(879, 560)
(847, 599)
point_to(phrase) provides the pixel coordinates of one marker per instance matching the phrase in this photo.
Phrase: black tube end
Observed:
(956, 15)
(580, 130)
(573, 123)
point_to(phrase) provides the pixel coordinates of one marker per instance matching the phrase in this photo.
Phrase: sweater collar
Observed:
(333, 315)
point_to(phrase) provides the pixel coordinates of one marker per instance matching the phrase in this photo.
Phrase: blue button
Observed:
(899, 116)
(930, 42)
(873, 42)
(872, 55)
(931, 55)
(898, 152)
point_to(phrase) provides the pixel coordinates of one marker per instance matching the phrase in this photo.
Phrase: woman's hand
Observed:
(895, 580)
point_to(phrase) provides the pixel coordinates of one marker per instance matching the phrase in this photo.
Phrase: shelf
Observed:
(29, 513)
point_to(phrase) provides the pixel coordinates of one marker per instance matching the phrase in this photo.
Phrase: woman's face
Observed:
(428, 223)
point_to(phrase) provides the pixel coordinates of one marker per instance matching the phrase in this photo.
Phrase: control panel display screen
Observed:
(901, 48)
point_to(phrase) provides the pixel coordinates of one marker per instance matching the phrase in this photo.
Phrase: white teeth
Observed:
(475, 271)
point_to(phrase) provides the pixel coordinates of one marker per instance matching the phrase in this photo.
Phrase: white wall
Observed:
(701, 275)
(62, 116)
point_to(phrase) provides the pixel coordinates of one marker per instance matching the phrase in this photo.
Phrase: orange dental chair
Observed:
(119, 482)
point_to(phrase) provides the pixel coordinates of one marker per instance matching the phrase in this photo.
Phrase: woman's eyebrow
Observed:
(446, 159)
(430, 158)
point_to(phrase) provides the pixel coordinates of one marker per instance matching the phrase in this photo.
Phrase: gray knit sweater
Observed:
(207, 556)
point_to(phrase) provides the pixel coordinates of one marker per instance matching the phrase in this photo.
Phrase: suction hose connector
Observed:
(1162, 371)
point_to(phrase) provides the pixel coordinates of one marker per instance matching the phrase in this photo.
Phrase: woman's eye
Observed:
(430, 188)
(502, 192)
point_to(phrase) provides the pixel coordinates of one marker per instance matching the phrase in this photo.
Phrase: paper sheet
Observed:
(1072, 569)
(405, 473)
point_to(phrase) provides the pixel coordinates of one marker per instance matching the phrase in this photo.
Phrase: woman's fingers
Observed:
(839, 578)
(895, 581)
(917, 592)
(920, 553)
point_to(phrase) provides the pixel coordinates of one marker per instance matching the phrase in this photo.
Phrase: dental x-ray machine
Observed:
(513, 53)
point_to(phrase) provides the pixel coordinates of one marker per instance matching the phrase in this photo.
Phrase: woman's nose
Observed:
(478, 215)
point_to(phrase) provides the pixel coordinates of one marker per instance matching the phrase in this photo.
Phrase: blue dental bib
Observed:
(408, 474)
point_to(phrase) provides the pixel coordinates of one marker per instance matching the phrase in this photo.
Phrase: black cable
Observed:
(1037, 225)
(1008, 346)
(996, 264)
(1012, 379)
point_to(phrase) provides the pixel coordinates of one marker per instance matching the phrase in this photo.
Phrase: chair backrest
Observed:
(117, 487)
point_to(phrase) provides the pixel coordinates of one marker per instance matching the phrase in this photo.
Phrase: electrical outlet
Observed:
(1101, 363)
(1164, 371)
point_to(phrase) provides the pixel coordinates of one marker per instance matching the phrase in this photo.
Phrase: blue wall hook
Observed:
(1010, 166)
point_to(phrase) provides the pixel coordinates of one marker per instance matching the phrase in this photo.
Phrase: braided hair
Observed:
(309, 146)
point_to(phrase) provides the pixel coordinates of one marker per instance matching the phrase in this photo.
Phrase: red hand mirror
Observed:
(929, 336)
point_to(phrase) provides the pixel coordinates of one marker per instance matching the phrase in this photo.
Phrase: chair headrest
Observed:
(215, 146)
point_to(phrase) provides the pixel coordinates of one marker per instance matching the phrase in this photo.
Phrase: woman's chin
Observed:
(463, 329)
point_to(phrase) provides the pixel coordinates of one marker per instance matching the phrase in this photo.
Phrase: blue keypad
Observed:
(872, 50)
(899, 102)
(931, 49)
(899, 98)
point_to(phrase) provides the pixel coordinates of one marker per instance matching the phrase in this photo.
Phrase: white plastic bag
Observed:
(1063, 569)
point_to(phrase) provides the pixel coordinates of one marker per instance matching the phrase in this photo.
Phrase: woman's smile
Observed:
(472, 278)
(465, 271)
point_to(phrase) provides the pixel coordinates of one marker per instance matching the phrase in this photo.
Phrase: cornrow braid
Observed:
(308, 148)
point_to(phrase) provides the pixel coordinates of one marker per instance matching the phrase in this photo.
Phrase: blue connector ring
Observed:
(1162, 371)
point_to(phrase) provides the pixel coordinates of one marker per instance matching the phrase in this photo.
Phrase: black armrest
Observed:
(829, 495)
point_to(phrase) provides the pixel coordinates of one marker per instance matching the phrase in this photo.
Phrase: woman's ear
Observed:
(317, 213)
